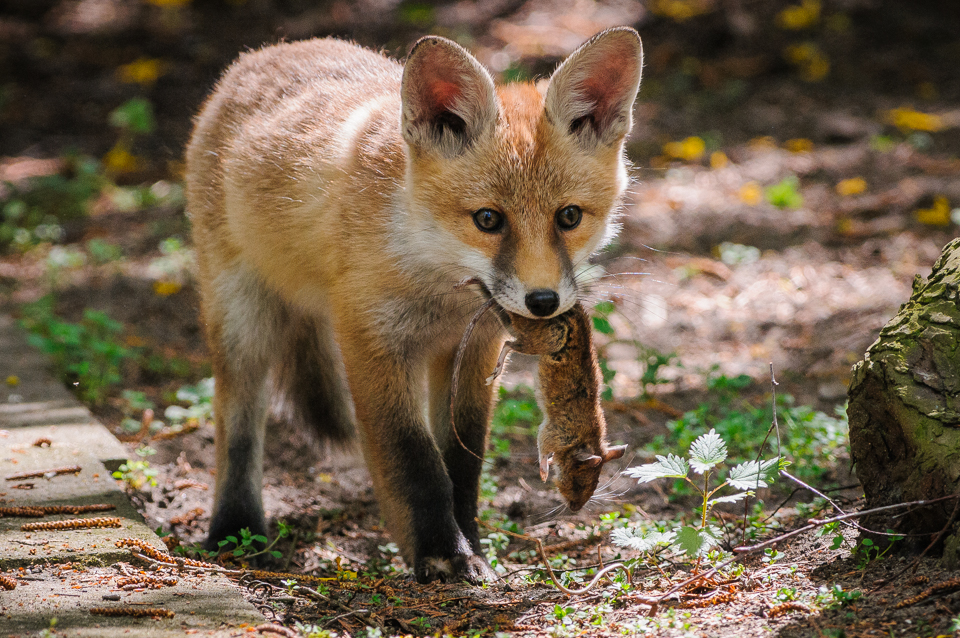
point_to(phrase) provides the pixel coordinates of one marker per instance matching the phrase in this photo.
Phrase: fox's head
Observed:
(517, 185)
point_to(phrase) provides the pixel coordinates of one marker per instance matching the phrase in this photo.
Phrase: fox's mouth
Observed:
(502, 314)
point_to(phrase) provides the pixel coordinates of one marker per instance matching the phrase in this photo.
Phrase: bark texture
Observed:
(904, 406)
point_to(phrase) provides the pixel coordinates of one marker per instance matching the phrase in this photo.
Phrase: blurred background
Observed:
(796, 164)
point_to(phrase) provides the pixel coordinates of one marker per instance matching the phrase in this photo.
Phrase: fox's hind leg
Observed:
(246, 326)
(311, 382)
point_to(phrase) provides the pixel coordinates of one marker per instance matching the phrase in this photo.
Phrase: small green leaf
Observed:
(696, 542)
(260, 538)
(604, 308)
(276, 554)
(135, 115)
(753, 474)
(733, 498)
(670, 466)
(633, 539)
(602, 325)
(238, 552)
(708, 450)
(222, 543)
(232, 539)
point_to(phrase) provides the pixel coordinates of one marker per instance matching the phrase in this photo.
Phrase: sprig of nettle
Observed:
(706, 453)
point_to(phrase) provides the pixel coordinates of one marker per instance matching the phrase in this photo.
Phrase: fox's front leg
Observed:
(414, 490)
(462, 441)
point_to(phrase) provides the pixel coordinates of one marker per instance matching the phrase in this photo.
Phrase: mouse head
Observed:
(578, 471)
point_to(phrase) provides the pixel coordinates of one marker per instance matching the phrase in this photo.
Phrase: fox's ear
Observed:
(448, 97)
(591, 93)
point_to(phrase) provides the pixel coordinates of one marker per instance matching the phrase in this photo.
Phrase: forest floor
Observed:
(795, 167)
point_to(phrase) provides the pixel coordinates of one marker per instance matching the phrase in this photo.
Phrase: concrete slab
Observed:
(63, 573)
(203, 605)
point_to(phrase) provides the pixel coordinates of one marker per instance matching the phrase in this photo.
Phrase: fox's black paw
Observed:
(469, 567)
(229, 523)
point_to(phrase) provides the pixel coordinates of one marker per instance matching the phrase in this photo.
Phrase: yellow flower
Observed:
(799, 145)
(906, 119)
(690, 149)
(166, 288)
(120, 160)
(13, 380)
(814, 65)
(765, 143)
(718, 159)
(680, 10)
(751, 193)
(845, 226)
(936, 215)
(852, 186)
(801, 16)
(142, 71)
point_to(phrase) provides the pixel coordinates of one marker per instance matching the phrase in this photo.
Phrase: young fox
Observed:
(337, 198)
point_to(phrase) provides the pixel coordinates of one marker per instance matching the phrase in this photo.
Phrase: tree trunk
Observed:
(904, 408)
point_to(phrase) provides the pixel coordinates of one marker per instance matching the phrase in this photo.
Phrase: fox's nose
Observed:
(542, 302)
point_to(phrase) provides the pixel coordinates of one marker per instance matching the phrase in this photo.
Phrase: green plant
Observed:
(652, 360)
(493, 543)
(515, 415)
(136, 474)
(31, 211)
(250, 545)
(706, 453)
(103, 252)
(199, 400)
(834, 530)
(86, 355)
(175, 262)
(814, 441)
(786, 594)
(868, 551)
(134, 115)
(835, 596)
(734, 254)
(313, 631)
(784, 194)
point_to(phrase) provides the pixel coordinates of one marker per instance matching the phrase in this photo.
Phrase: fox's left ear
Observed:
(591, 93)
(448, 98)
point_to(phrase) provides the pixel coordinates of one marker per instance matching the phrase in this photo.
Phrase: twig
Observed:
(570, 592)
(69, 469)
(774, 425)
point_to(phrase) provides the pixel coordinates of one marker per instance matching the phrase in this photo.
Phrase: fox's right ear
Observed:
(448, 97)
(591, 93)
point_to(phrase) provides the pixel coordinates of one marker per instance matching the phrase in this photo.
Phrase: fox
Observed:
(337, 198)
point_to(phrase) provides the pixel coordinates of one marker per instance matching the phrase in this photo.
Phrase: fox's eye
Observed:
(488, 220)
(569, 217)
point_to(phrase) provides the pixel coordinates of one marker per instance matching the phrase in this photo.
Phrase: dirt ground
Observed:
(705, 267)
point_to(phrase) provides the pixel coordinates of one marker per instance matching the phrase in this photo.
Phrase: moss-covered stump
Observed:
(905, 406)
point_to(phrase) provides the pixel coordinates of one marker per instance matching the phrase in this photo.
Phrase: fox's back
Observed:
(287, 126)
